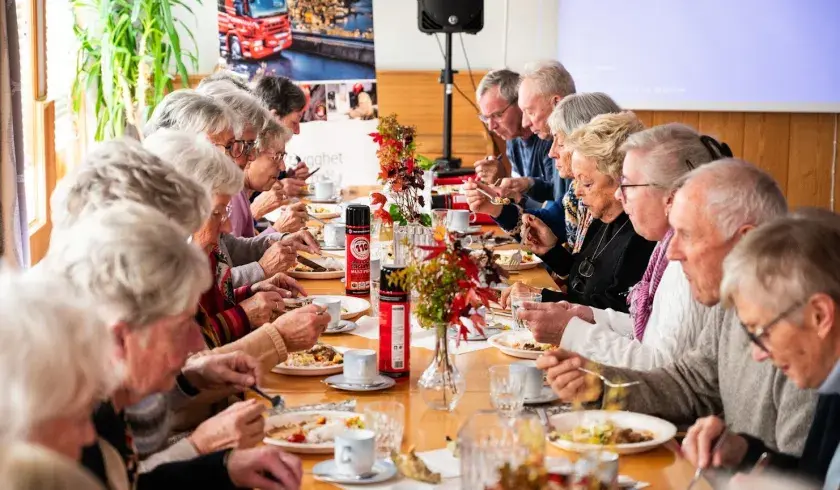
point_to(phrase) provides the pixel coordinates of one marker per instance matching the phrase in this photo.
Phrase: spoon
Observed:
(277, 402)
(698, 474)
(606, 381)
(494, 199)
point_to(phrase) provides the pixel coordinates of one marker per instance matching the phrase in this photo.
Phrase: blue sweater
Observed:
(529, 158)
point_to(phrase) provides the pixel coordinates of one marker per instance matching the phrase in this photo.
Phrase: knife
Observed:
(316, 267)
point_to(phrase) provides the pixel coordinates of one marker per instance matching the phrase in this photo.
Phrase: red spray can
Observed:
(394, 326)
(357, 247)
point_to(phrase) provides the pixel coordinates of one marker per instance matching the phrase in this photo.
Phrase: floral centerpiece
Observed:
(401, 172)
(451, 283)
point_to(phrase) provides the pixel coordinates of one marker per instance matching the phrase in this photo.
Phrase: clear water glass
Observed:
(507, 390)
(516, 300)
(387, 420)
(406, 240)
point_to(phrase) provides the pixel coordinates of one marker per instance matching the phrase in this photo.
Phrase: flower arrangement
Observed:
(452, 283)
(401, 171)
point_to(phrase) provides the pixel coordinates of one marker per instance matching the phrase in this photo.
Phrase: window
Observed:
(26, 70)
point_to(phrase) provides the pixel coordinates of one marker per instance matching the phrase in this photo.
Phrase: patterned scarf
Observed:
(578, 220)
(641, 296)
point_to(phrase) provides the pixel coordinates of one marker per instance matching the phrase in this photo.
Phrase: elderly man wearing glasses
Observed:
(782, 280)
(716, 206)
(532, 167)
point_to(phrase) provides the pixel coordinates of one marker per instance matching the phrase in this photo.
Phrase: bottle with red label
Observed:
(357, 250)
(394, 326)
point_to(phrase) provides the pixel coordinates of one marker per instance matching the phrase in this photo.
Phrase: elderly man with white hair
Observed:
(48, 393)
(718, 204)
(782, 280)
(497, 94)
(542, 86)
(145, 280)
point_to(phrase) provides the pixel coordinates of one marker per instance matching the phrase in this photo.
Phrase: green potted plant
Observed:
(129, 52)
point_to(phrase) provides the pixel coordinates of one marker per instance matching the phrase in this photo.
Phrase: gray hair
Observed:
(737, 193)
(241, 81)
(55, 356)
(575, 110)
(793, 257)
(26, 466)
(188, 110)
(506, 80)
(122, 170)
(668, 150)
(195, 157)
(249, 110)
(134, 262)
(551, 78)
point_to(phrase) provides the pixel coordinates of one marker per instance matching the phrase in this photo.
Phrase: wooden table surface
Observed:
(425, 429)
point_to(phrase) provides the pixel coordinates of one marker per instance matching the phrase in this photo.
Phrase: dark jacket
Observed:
(622, 257)
(820, 446)
(206, 472)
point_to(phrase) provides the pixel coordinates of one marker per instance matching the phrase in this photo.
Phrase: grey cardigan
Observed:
(244, 255)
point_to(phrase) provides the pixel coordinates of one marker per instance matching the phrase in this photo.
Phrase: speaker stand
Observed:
(447, 162)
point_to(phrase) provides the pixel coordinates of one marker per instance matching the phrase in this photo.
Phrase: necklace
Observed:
(587, 266)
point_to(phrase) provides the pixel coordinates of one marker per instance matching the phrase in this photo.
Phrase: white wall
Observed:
(204, 26)
(530, 34)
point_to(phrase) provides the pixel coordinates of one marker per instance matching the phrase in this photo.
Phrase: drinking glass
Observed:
(375, 271)
(516, 300)
(507, 390)
(387, 420)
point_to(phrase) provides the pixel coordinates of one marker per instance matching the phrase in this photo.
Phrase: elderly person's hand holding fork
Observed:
(483, 198)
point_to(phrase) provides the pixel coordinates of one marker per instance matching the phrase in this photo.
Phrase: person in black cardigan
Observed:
(613, 257)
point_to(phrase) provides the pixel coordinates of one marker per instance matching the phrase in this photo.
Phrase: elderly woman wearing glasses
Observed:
(145, 280)
(782, 280)
(664, 319)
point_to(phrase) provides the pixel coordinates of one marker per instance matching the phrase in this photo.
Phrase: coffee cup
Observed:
(360, 365)
(333, 306)
(324, 190)
(533, 377)
(355, 452)
(458, 220)
(334, 234)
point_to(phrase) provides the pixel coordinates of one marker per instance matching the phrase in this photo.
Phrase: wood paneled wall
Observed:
(797, 149)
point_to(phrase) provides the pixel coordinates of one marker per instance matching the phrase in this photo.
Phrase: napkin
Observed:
(439, 461)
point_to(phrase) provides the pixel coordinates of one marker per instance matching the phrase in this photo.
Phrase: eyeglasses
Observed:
(224, 217)
(496, 115)
(585, 270)
(280, 157)
(237, 148)
(622, 187)
(756, 336)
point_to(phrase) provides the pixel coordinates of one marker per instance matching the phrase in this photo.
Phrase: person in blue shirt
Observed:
(783, 281)
(533, 176)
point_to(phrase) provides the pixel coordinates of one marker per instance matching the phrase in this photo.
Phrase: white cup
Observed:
(533, 377)
(334, 234)
(324, 190)
(458, 220)
(360, 365)
(355, 452)
(333, 307)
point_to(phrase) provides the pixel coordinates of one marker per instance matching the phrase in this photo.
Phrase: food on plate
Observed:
(447, 189)
(453, 447)
(411, 466)
(529, 476)
(531, 346)
(321, 210)
(603, 433)
(317, 232)
(506, 258)
(329, 263)
(321, 355)
(295, 303)
(315, 430)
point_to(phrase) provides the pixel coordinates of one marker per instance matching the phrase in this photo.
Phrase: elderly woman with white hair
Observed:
(664, 319)
(146, 281)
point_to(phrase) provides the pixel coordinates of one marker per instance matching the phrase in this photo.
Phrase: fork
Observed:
(516, 259)
(698, 473)
(607, 382)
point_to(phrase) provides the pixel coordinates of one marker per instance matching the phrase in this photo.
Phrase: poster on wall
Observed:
(326, 47)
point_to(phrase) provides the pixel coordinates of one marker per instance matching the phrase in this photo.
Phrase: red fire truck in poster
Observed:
(253, 29)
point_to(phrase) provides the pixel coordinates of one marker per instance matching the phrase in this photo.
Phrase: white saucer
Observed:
(343, 326)
(326, 471)
(332, 200)
(339, 382)
(325, 248)
(547, 395)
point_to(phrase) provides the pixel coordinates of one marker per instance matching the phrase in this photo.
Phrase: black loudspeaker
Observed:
(450, 16)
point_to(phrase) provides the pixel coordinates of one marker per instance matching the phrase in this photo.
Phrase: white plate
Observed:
(333, 200)
(327, 471)
(524, 266)
(505, 340)
(353, 306)
(282, 368)
(663, 431)
(328, 210)
(292, 417)
(340, 383)
(316, 275)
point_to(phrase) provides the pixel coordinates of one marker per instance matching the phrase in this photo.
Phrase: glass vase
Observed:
(406, 240)
(441, 384)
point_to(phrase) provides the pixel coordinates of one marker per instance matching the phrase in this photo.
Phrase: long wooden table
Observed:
(425, 429)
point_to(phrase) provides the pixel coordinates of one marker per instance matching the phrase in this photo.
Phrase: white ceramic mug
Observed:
(533, 377)
(334, 234)
(360, 365)
(459, 220)
(355, 451)
(324, 190)
(333, 306)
